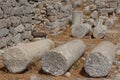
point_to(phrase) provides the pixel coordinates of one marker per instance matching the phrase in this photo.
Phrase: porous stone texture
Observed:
(80, 30)
(17, 58)
(57, 61)
(100, 31)
(99, 62)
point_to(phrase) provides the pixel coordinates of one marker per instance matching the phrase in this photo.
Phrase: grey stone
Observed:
(67, 74)
(100, 31)
(28, 27)
(94, 14)
(77, 17)
(4, 32)
(11, 30)
(1, 1)
(11, 3)
(58, 6)
(1, 52)
(57, 61)
(103, 12)
(99, 61)
(15, 21)
(6, 9)
(23, 2)
(68, 8)
(26, 19)
(109, 22)
(10, 37)
(118, 49)
(13, 13)
(90, 21)
(80, 30)
(56, 24)
(8, 21)
(110, 10)
(17, 58)
(77, 3)
(50, 10)
(23, 10)
(19, 28)
(113, 4)
(27, 35)
(1, 13)
(16, 11)
(3, 42)
(3, 23)
(87, 10)
(17, 38)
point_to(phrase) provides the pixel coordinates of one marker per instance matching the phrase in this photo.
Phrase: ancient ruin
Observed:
(59, 39)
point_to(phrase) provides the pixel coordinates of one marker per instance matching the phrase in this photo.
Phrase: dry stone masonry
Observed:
(18, 17)
(16, 20)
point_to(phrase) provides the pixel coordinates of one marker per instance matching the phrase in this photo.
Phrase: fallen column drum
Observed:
(99, 62)
(60, 59)
(17, 58)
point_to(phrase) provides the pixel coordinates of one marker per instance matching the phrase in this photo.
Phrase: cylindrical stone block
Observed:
(109, 23)
(99, 62)
(60, 59)
(99, 31)
(80, 30)
(17, 58)
(77, 17)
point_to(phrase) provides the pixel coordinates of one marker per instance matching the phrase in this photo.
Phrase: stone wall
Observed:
(18, 18)
(108, 3)
(106, 6)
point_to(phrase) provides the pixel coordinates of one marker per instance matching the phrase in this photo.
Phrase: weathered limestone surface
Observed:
(99, 62)
(60, 59)
(17, 58)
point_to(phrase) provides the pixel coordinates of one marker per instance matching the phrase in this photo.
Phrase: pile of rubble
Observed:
(104, 6)
(95, 19)
(18, 18)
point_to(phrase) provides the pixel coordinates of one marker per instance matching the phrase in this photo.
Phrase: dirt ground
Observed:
(76, 70)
